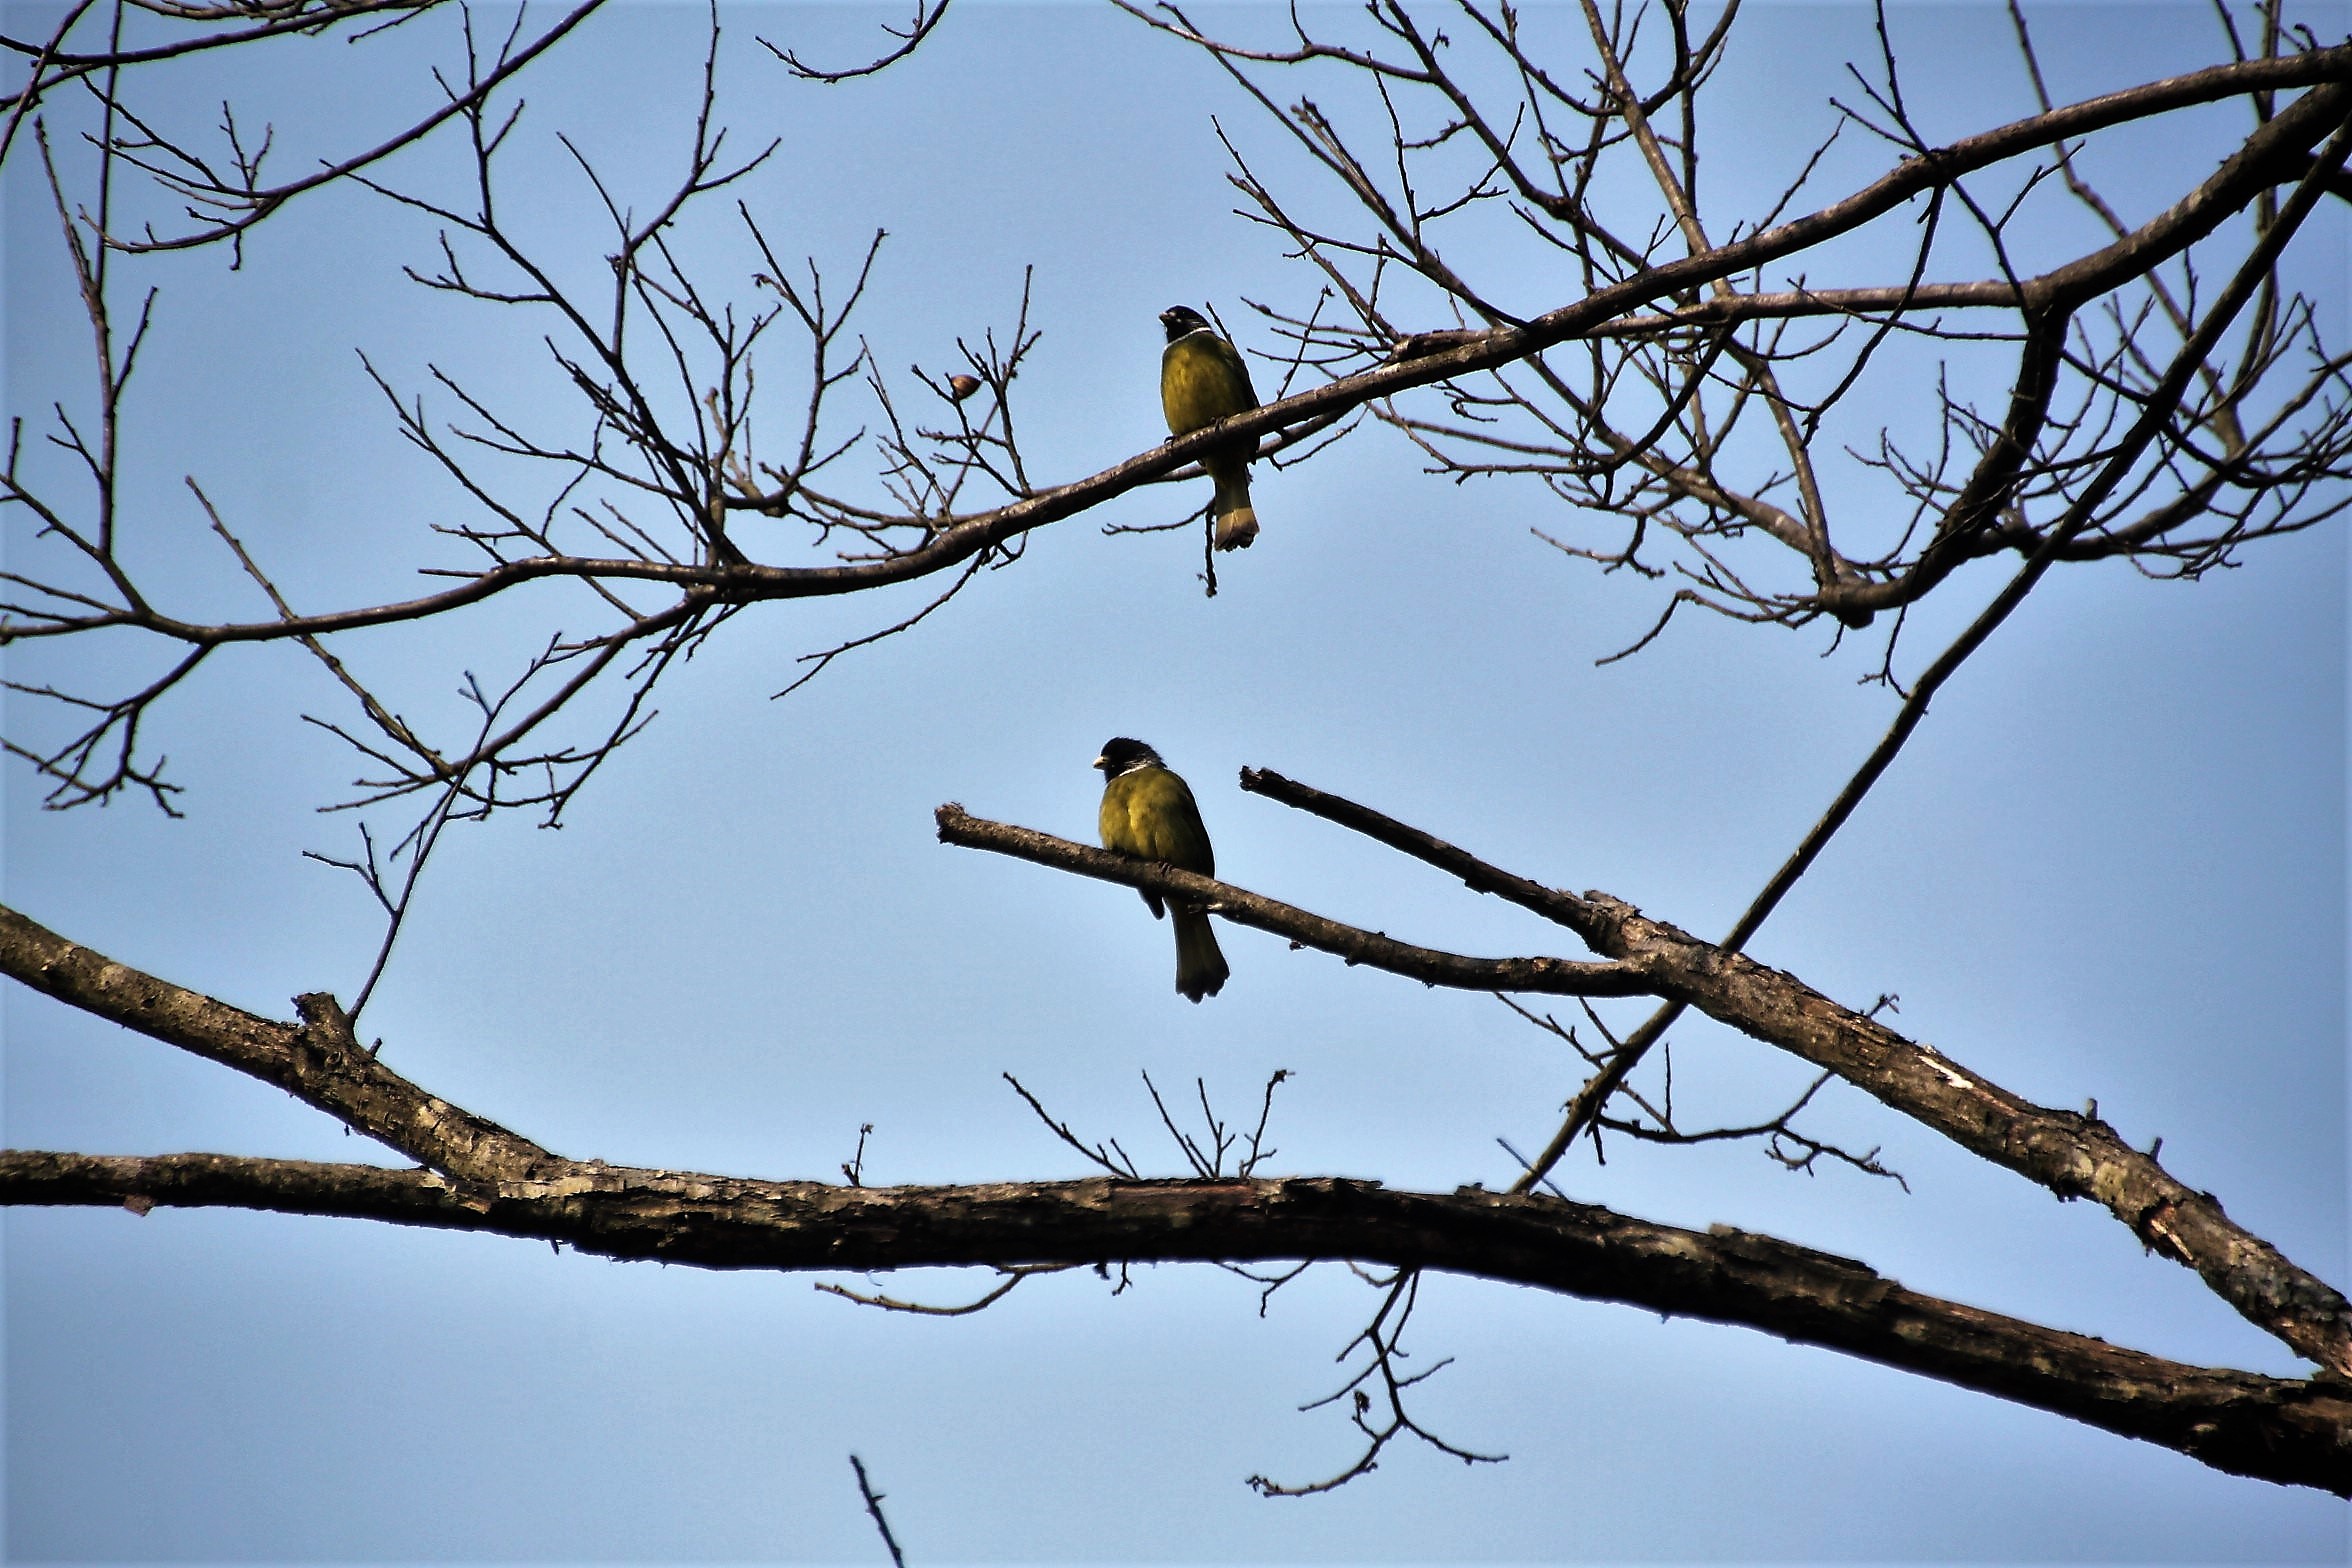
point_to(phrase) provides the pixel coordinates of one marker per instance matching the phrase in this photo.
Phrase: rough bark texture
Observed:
(317, 1061)
(2074, 1156)
(480, 1176)
(2296, 1432)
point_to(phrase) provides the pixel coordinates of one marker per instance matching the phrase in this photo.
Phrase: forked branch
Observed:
(2072, 1155)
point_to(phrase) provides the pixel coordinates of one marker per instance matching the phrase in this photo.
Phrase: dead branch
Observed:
(2072, 1155)
(1382, 1341)
(2279, 1429)
(1646, 426)
(1550, 976)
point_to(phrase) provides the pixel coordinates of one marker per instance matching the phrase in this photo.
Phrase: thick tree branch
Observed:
(1914, 177)
(2284, 1430)
(2073, 1155)
(317, 1061)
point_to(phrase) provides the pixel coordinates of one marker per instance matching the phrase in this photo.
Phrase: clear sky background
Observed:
(2112, 865)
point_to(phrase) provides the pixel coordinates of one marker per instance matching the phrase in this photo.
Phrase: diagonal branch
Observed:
(318, 1061)
(2073, 1155)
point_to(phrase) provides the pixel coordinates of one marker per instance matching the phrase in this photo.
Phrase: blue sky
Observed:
(2112, 865)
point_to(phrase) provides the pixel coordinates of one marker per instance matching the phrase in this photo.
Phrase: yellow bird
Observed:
(1203, 380)
(1148, 812)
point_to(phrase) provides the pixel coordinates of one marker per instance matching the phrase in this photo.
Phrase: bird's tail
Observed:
(1237, 520)
(1200, 964)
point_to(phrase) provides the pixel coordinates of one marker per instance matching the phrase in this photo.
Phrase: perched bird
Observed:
(1203, 380)
(1148, 812)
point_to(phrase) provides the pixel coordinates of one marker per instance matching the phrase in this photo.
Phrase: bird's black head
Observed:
(1121, 755)
(1180, 319)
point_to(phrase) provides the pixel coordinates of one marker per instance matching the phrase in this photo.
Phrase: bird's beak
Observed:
(1102, 762)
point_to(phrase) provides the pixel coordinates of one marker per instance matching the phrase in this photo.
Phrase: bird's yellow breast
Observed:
(1149, 813)
(1201, 382)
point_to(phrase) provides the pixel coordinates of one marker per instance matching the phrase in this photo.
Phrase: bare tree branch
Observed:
(317, 1060)
(874, 1504)
(1550, 976)
(2277, 1429)
(698, 466)
(1679, 372)
(2074, 1156)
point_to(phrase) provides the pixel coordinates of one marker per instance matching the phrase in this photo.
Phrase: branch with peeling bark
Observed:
(317, 1060)
(478, 1176)
(2279, 1429)
(2072, 1155)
